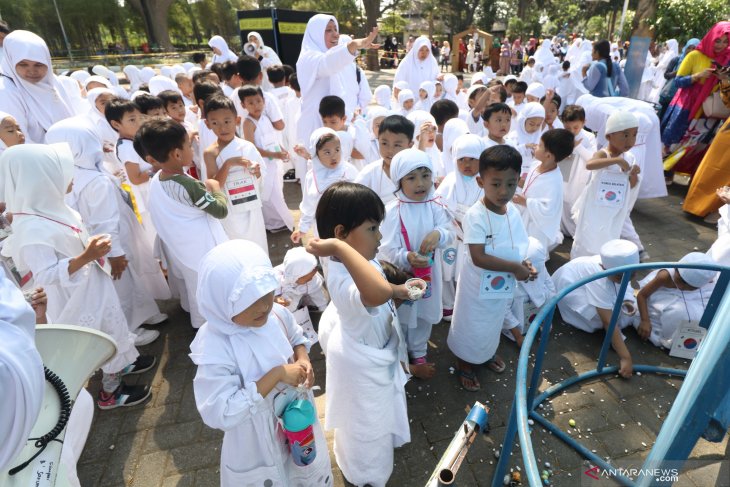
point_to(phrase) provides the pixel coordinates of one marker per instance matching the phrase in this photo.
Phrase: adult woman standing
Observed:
(505, 53)
(516, 57)
(670, 75)
(603, 77)
(221, 51)
(418, 65)
(320, 58)
(272, 59)
(445, 56)
(696, 78)
(29, 91)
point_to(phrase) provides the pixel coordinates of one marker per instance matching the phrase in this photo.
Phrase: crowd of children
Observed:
(434, 203)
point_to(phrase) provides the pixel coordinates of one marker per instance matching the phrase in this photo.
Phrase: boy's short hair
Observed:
(169, 97)
(500, 158)
(160, 136)
(288, 71)
(249, 90)
(117, 107)
(502, 93)
(495, 108)
(519, 87)
(397, 124)
(216, 68)
(180, 77)
(228, 70)
(200, 75)
(147, 102)
(558, 142)
(347, 204)
(513, 82)
(144, 87)
(248, 67)
(566, 65)
(294, 82)
(556, 99)
(137, 144)
(198, 57)
(206, 89)
(276, 74)
(332, 105)
(219, 102)
(443, 111)
(494, 82)
(477, 91)
(530, 61)
(459, 76)
(574, 113)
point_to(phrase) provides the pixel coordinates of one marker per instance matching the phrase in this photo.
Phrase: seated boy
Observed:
(150, 105)
(517, 103)
(497, 121)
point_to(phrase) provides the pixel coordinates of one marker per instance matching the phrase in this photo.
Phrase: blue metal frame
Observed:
(673, 443)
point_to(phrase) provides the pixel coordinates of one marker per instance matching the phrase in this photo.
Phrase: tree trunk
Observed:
(372, 12)
(644, 12)
(154, 13)
(196, 29)
(522, 8)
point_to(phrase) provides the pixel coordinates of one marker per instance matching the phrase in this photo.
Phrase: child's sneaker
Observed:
(142, 364)
(123, 396)
(143, 337)
(447, 314)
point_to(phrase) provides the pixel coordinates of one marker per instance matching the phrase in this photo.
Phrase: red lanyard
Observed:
(75, 229)
(532, 180)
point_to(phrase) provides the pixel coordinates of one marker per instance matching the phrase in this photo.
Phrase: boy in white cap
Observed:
(589, 307)
(670, 297)
(607, 200)
(534, 92)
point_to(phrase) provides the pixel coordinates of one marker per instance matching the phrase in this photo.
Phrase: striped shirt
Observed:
(189, 191)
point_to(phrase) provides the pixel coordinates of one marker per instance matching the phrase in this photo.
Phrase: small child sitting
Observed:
(551, 103)
(669, 297)
(300, 284)
(526, 133)
(497, 121)
(406, 100)
(589, 307)
(332, 111)
(251, 356)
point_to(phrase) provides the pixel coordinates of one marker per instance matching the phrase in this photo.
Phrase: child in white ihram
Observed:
(605, 203)
(589, 307)
(525, 135)
(415, 225)
(327, 168)
(495, 250)
(299, 282)
(458, 193)
(251, 356)
(670, 297)
(541, 201)
(530, 296)
(361, 338)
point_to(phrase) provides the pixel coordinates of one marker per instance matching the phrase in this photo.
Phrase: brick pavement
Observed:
(165, 444)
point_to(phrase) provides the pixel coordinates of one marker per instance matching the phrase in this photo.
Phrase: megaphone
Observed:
(250, 49)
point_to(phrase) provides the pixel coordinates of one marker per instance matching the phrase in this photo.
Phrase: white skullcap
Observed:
(468, 145)
(506, 78)
(404, 96)
(535, 89)
(696, 277)
(478, 78)
(298, 263)
(621, 120)
(402, 85)
(617, 253)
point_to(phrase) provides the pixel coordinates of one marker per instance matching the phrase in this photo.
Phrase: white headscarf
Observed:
(232, 277)
(415, 71)
(404, 96)
(146, 74)
(382, 96)
(406, 161)
(265, 50)
(226, 54)
(133, 76)
(696, 277)
(312, 46)
(81, 76)
(453, 129)
(670, 53)
(85, 147)
(73, 90)
(536, 89)
(573, 51)
(97, 79)
(466, 188)
(430, 88)
(44, 101)
(544, 54)
(373, 113)
(325, 176)
(104, 130)
(419, 117)
(106, 73)
(3, 116)
(297, 263)
(21, 373)
(159, 83)
(615, 54)
(530, 110)
(450, 83)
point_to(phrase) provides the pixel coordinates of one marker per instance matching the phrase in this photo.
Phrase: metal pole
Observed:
(623, 18)
(63, 31)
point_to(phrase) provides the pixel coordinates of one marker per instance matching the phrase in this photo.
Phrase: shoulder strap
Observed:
(358, 74)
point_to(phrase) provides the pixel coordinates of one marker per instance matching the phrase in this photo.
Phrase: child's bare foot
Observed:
(626, 367)
(519, 338)
(467, 377)
(423, 371)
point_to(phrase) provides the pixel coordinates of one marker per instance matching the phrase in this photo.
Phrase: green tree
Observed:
(596, 27)
(684, 19)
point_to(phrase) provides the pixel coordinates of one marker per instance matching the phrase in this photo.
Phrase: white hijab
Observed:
(232, 277)
(297, 263)
(531, 110)
(44, 101)
(106, 73)
(158, 83)
(81, 76)
(430, 88)
(544, 54)
(450, 83)
(133, 76)
(265, 50)
(453, 129)
(382, 96)
(73, 90)
(324, 176)
(226, 54)
(466, 189)
(3, 116)
(103, 129)
(419, 117)
(312, 47)
(414, 71)
(146, 74)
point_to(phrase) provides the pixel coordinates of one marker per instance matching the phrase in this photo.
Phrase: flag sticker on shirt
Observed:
(496, 285)
(241, 191)
(612, 189)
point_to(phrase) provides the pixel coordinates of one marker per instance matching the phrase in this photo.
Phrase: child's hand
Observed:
(429, 243)
(323, 247)
(283, 155)
(98, 247)
(296, 236)
(644, 329)
(39, 303)
(521, 272)
(518, 199)
(282, 301)
(302, 152)
(531, 268)
(255, 170)
(633, 180)
(417, 260)
(239, 161)
(293, 374)
(309, 382)
(635, 170)
(625, 166)
(119, 264)
(212, 186)
(532, 148)
(400, 291)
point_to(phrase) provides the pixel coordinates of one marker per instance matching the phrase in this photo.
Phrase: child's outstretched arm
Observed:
(661, 279)
(601, 159)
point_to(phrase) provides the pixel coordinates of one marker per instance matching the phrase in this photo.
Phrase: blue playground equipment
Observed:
(701, 408)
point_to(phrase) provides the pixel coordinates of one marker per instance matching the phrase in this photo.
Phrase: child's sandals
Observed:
(496, 364)
(468, 379)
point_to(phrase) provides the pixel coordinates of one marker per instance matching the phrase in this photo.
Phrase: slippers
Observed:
(496, 364)
(465, 376)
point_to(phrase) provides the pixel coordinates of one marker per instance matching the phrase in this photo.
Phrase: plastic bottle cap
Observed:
(298, 415)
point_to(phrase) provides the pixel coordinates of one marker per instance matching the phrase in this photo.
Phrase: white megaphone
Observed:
(250, 49)
(70, 355)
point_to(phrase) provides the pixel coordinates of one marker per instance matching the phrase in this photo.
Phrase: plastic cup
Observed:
(416, 288)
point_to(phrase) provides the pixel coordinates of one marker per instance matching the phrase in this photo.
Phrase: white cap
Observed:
(617, 253)
(621, 120)
(468, 145)
(696, 277)
(535, 89)
(402, 85)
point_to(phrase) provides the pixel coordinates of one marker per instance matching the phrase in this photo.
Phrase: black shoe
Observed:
(142, 364)
(123, 396)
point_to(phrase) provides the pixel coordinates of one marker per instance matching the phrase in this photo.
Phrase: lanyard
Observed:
(536, 175)
(75, 229)
(491, 231)
(686, 308)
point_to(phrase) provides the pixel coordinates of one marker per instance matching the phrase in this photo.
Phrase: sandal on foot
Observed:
(496, 364)
(468, 375)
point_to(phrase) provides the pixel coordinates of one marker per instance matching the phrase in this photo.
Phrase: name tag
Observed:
(612, 190)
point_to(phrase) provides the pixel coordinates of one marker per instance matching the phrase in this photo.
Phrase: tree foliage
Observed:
(684, 19)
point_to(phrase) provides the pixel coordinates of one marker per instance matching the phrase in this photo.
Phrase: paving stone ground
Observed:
(165, 444)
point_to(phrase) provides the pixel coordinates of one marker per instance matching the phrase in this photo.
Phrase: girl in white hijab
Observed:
(526, 132)
(418, 65)
(415, 225)
(450, 84)
(671, 52)
(366, 140)
(133, 76)
(453, 129)
(383, 96)
(327, 167)
(320, 57)
(272, 59)
(73, 89)
(251, 355)
(49, 244)
(424, 139)
(97, 99)
(426, 92)
(29, 90)
(300, 284)
(106, 209)
(406, 100)
(10, 132)
(221, 52)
